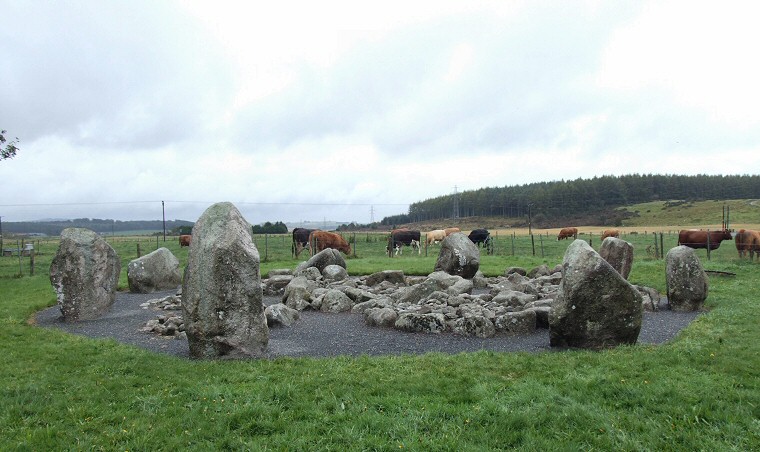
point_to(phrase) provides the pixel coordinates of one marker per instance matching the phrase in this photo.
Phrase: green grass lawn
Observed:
(699, 392)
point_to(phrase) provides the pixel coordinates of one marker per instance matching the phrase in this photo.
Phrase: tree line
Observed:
(54, 227)
(550, 202)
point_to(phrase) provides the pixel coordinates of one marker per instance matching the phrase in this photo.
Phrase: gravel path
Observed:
(321, 334)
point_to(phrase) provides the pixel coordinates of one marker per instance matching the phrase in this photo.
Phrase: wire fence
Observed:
(26, 256)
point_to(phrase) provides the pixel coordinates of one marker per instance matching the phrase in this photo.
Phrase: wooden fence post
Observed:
(18, 248)
(708, 244)
(138, 250)
(541, 240)
(31, 262)
(662, 250)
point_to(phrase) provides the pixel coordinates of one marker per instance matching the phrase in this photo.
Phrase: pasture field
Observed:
(701, 391)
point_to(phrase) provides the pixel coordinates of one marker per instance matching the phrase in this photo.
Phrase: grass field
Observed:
(699, 392)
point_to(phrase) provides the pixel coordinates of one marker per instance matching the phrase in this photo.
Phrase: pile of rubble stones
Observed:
(169, 323)
(516, 303)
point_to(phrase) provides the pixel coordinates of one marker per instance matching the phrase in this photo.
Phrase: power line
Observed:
(203, 202)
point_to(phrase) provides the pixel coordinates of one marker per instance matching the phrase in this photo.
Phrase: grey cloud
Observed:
(116, 74)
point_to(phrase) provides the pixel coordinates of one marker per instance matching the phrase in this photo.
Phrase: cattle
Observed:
(566, 233)
(449, 231)
(699, 239)
(435, 236)
(748, 243)
(300, 240)
(401, 237)
(610, 233)
(323, 240)
(479, 236)
(184, 240)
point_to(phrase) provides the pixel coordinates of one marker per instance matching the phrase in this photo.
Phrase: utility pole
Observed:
(371, 214)
(163, 212)
(456, 203)
(1, 235)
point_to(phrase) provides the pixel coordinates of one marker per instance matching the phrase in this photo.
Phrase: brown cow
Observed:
(449, 231)
(184, 240)
(435, 236)
(332, 240)
(694, 238)
(610, 233)
(754, 247)
(566, 233)
(748, 243)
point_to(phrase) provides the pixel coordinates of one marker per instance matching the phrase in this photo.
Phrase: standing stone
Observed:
(84, 273)
(687, 281)
(221, 293)
(458, 256)
(158, 270)
(619, 254)
(595, 307)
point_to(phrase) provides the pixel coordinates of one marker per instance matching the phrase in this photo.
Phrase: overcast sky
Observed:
(350, 111)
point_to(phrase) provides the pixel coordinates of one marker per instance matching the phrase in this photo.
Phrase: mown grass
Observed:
(698, 392)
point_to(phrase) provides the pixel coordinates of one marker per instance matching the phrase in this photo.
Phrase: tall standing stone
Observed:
(458, 256)
(687, 281)
(595, 307)
(84, 273)
(221, 292)
(619, 254)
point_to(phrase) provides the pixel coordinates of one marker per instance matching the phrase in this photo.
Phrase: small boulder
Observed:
(521, 322)
(519, 270)
(298, 294)
(280, 314)
(380, 317)
(392, 276)
(421, 323)
(541, 270)
(478, 326)
(322, 259)
(336, 301)
(276, 284)
(333, 273)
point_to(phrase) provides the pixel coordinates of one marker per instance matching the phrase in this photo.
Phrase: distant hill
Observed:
(741, 213)
(595, 201)
(54, 227)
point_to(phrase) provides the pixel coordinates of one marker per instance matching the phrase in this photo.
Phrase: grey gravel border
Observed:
(319, 334)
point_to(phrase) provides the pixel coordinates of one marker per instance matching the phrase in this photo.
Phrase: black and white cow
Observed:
(403, 237)
(300, 240)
